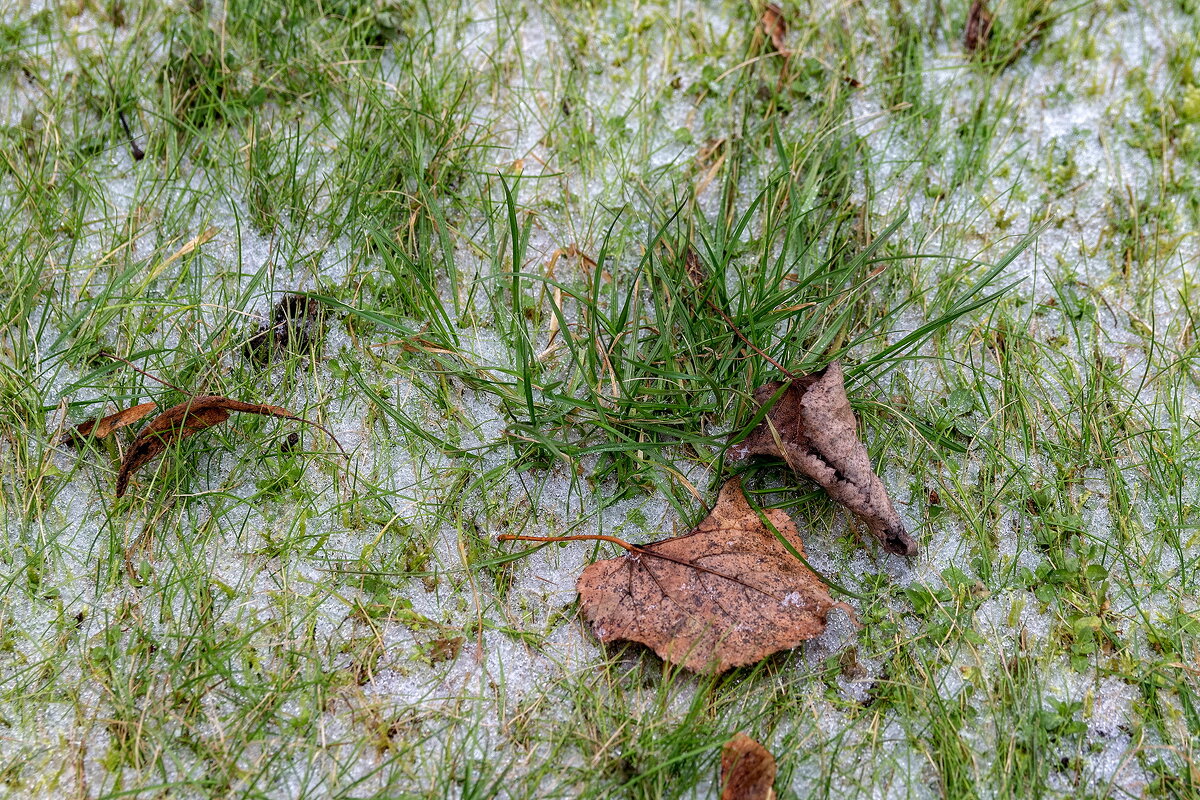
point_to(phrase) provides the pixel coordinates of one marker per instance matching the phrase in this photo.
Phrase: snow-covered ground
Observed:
(479, 662)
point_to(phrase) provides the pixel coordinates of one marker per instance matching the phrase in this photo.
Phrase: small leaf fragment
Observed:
(181, 421)
(812, 428)
(747, 770)
(775, 26)
(696, 271)
(978, 29)
(102, 427)
(725, 595)
(439, 650)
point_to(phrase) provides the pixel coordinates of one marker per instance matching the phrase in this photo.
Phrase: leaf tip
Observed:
(897, 540)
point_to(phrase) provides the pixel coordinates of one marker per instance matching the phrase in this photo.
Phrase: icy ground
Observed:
(480, 665)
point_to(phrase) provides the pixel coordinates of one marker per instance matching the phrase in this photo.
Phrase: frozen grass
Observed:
(494, 202)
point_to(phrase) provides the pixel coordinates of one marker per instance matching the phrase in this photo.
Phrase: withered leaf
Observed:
(775, 26)
(181, 421)
(102, 427)
(295, 327)
(439, 650)
(696, 272)
(812, 428)
(747, 770)
(724, 595)
(978, 29)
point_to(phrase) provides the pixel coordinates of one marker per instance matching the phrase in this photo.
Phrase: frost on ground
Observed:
(306, 627)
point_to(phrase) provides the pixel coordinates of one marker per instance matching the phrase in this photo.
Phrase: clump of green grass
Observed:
(514, 345)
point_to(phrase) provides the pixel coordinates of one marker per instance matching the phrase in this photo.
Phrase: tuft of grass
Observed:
(495, 205)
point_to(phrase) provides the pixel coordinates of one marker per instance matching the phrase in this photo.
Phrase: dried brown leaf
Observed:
(181, 421)
(102, 427)
(775, 26)
(726, 594)
(812, 428)
(747, 770)
(978, 29)
(439, 650)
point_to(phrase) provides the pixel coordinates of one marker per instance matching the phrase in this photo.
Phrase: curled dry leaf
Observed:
(181, 421)
(102, 427)
(978, 29)
(812, 428)
(726, 594)
(775, 26)
(747, 770)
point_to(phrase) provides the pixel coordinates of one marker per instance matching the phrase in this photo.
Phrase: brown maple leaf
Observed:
(747, 770)
(102, 427)
(812, 428)
(775, 26)
(725, 595)
(978, 29)
(181, 421)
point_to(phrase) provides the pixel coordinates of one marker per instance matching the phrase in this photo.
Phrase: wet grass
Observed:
(494, 205)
